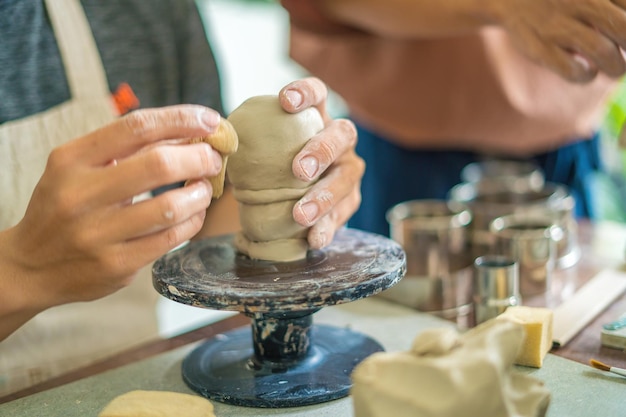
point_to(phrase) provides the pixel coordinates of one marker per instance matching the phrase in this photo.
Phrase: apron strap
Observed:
(83, 66)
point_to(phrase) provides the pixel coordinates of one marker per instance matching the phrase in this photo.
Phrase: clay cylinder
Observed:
(261, 174)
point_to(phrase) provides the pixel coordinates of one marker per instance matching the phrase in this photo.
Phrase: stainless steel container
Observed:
(434, 235)
(562, 214)
(489, 200)
(518, 176)
(531, 241)
(496, 286)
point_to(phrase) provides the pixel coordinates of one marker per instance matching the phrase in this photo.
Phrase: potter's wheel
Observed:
(284, 360)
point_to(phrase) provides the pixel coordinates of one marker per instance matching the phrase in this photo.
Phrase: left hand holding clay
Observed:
(330, 156)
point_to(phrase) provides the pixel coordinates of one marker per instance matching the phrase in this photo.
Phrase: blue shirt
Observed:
(394, 174)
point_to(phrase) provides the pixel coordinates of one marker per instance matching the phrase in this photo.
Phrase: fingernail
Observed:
(310, 165)
(294, 97)
(310, 211)
(200, 189)
(210, 119)
(582, 61)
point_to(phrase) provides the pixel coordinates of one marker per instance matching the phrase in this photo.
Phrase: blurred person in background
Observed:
(435, 85)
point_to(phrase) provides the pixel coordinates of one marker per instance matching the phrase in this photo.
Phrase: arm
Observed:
(81, 238)
(400, 19)
(576, 39)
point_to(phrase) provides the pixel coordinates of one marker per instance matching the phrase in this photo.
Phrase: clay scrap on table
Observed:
(448, 374)
(261, 174)
(141, 403)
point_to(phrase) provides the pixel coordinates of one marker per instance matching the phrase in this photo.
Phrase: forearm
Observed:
(18, 303)
(410, 18)
(575, 39)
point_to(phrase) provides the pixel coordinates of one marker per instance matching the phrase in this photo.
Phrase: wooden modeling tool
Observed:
(589, 301)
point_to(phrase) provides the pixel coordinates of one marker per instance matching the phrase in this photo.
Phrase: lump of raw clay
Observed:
(262, 177)
(141, 403)
(447, 374)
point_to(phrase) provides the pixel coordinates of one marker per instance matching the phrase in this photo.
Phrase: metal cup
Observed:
(531, 241)
(434, 236)
(518, 176)
(490, 200)
(561, 212)
(496, 286)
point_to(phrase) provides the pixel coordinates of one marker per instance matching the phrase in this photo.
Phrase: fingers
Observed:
(575, 39)
(323, 149)
(143, 250)
(127, 255)
(620, 3)
(582, 41)
(304, 93)
(336, 185)
(570, 66)
(330, 156)
(322, 232)
(138, 129)
(156, 167)
(154, 215)
(608, 18)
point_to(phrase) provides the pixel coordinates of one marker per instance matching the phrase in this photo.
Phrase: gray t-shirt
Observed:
(158, 47)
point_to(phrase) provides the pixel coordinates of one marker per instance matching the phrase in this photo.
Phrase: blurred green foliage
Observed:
(610, 187)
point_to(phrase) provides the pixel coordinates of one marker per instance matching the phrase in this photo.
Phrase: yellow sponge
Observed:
(538, 325)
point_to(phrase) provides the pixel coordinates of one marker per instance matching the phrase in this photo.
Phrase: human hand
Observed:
(81, 237)
(329, 156)
(576, 39)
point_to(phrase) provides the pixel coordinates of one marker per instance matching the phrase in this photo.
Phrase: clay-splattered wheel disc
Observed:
(211, 273)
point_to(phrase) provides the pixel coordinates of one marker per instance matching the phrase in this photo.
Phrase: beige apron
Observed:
(67, 337)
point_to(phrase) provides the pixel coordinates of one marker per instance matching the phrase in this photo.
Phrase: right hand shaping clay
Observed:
(261, 174)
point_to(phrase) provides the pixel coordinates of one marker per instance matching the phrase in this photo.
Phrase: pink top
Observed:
(473, 92)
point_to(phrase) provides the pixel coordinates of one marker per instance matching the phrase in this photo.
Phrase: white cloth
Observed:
(65, 338)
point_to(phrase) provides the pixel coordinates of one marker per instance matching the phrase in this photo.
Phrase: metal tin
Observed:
(531, 240)
(496, 286)
(519, 176)
(434, 235)
(490, 200)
